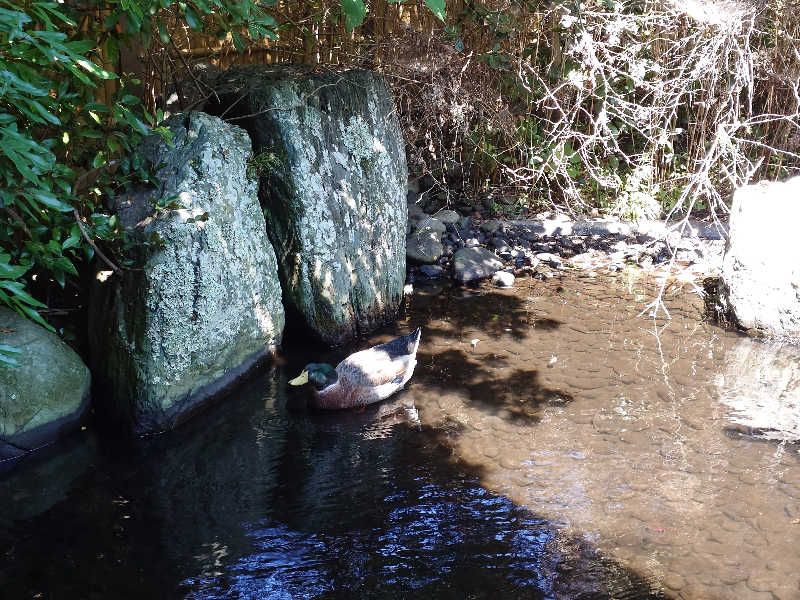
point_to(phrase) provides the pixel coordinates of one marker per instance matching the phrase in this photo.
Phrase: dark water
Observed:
(575, 451)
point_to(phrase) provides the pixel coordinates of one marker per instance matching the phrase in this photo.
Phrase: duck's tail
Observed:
(403, 346)
(414, 336)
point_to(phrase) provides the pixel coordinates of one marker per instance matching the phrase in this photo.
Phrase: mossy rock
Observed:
(336, 212)
(46, 395)
(203, 303)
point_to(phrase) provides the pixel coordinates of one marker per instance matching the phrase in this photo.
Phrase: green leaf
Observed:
(95, 107)
(16, 289)
(11, 81)
(80, 47)
(81, 77)
(33, 315)
(47, 116)
(66, 265)
(238, 42)
(193, 19)
(6, 359)
(51, 8)
(90, 133)
(437, 8)
(266, 20)
(49, 200)
(92, 68)
(8, 271)
(354, 13)
(14, 19)
(71, 242)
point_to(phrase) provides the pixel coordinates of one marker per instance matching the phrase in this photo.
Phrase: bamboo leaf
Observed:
(437, 8)
(354, 13)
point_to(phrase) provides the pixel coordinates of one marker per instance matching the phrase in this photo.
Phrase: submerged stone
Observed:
(333, 187)
(203, 303)
(470, 264)
(45, 395)
(760, 269)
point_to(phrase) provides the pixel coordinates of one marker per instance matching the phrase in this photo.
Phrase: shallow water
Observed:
(574, 451)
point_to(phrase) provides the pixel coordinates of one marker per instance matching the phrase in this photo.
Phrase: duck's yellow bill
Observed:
(300, 379)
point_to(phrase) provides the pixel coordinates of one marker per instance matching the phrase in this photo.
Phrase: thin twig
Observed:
(14, 215)
(303, 98)
(88, 239)
(81, 181)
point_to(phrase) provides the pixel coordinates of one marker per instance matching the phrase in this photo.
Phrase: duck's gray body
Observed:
(367, 376)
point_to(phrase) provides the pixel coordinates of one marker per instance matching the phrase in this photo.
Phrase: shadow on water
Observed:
(492, 381)
(517, 395)
(251, 500)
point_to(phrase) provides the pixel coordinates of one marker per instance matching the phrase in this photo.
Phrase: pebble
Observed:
(431, 224)
(674, 581)
(514, 241)
(550, 259)
(432, 271)
(786, 592)
(490, 450)
(447, 216)
(491, 225)
(503, 279)
(761, 583)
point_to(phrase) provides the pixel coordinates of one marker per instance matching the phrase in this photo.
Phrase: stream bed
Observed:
(552, 444)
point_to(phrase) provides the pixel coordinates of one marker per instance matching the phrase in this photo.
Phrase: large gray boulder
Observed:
(761, 266)
(202, 304)
(333, 187)
(46, 395)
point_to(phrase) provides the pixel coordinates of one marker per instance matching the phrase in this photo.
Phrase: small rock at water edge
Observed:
(503, 279)
(432, 271)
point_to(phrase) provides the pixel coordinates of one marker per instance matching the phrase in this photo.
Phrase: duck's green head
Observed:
(320, 375)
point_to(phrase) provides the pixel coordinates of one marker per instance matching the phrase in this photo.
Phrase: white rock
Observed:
(761, 267)
(503, 279)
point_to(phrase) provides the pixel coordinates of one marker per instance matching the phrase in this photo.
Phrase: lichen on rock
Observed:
(336, 213)
(204, 303)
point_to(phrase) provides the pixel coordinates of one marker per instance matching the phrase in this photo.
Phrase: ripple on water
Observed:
(585, 453)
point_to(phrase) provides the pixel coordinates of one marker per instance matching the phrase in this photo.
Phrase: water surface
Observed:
(574, 450)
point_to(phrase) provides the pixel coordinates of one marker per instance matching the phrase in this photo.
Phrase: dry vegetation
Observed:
(631, 107)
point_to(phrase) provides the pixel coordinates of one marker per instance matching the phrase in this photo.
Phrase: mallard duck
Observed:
(365, 377)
